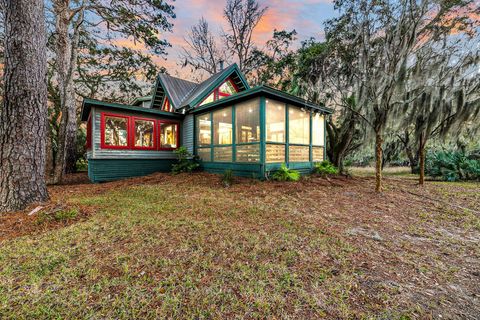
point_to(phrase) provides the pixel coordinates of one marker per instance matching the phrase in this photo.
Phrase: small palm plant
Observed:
(286, 174)
(325, 168)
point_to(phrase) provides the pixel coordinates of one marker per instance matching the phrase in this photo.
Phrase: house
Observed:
(223, 121)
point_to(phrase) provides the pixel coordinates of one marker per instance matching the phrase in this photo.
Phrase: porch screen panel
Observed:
(275, 153)
(275, 121)
(222, 126)
(222, 154)
(247, 118)
(299, 154)
(299, 126)
(318, 130)
(204, 154)
(248, 153)
(204, 130)
(317, 154)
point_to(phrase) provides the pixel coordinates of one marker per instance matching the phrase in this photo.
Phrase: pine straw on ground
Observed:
(186, 247)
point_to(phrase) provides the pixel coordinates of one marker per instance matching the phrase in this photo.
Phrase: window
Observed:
(208, 99)
(247, 118)
(204, 154)
(317, 154)
(248, 153)
(318, 130)
(222, 126)
(114, 131)
(299, 126)
(298, 154)
(226, 89)
(166, 105)
(144, 130)
(275, 121)
(275, 153)
(204, 130)
(222, 154)
(168, 135)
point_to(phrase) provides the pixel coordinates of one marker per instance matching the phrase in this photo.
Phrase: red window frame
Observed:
(132, 135)
(217, 93)
(88, 144)
(160, 122)
(102, 131)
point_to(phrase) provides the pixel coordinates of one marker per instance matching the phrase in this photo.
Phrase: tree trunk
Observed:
(421, 154)
(378, 162)
(23, 117)
(66, 59)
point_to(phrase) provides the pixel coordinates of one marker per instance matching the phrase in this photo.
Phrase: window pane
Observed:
(222, 154)
(298, 154)
(317, 154)
(116, 131)
(247, 118)
(275, 121)
(144, 133)
(299, 126)
(204, 154)
(209, 99)
(275, 153)
(248, 153)
(222, 126)
(227, 88)
(168, 135)
(318, 130)
(204, 132)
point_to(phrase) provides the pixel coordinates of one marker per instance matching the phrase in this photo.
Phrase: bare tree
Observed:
(242, 17)
(23, 117)
(203, 51)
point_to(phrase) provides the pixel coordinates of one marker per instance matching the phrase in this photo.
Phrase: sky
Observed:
(305, 16)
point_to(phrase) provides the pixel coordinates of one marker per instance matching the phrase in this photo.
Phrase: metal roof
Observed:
(177, 89)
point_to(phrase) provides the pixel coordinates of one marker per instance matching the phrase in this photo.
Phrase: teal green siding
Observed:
(100, 170)
(250, 170)
(187, 131)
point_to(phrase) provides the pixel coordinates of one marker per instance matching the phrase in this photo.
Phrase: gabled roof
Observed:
(206, 87)
(175, 88)
(187, 94)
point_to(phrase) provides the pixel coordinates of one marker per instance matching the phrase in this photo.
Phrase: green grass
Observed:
(195, 251)
(149, 253)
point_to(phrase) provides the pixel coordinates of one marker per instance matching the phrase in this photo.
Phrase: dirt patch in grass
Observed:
(186, 247)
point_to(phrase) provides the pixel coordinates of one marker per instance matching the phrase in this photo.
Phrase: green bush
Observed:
(452, 166)
(186, 162)
(325, 168)
(285, 174)
(227, 178)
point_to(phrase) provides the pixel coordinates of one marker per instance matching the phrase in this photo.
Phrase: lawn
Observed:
(184, 246)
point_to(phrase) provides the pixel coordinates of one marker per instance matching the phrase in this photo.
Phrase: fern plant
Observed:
(325, 168)
(286, 174)
(452, 166)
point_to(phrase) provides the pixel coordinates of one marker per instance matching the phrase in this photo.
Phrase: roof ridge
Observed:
(167, 75)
